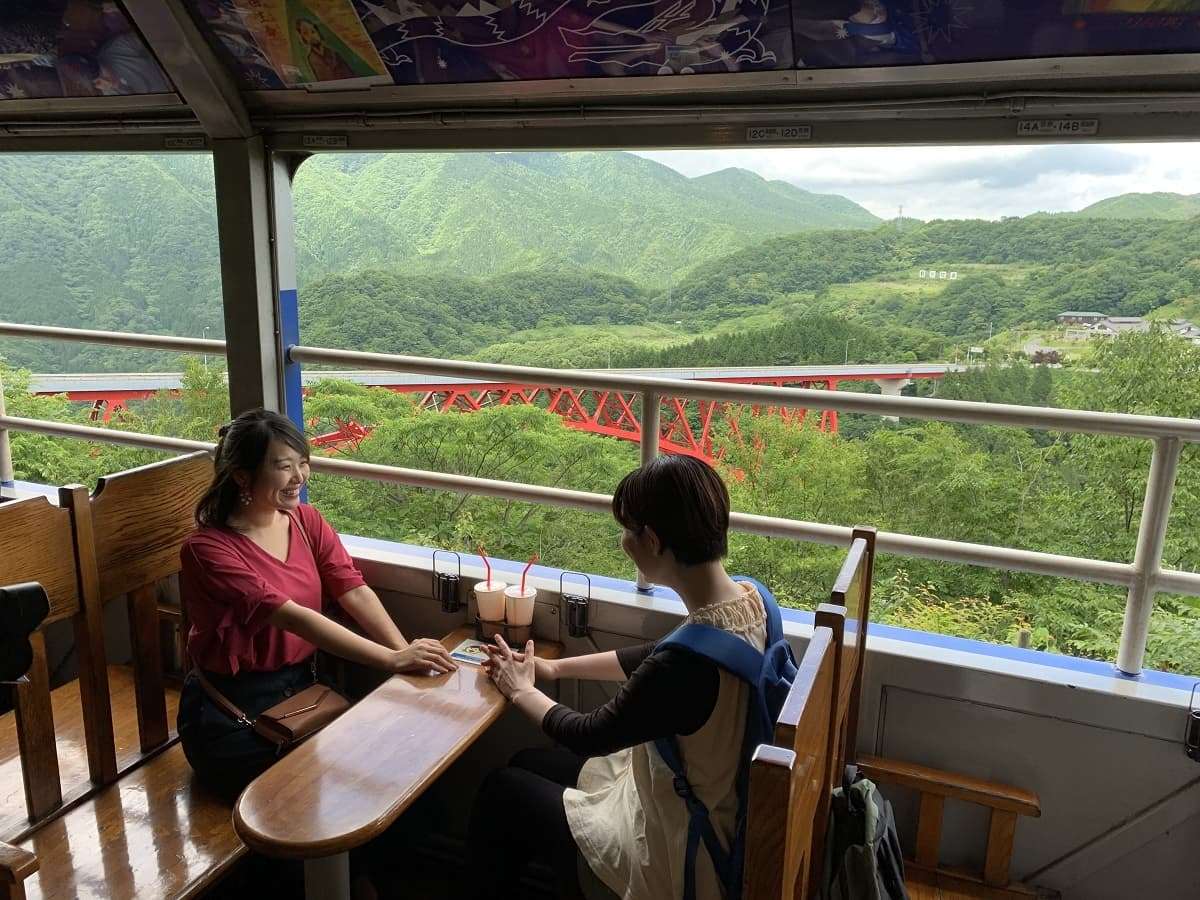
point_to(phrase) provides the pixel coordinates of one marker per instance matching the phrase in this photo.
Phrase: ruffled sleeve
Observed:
(235, 600)
(338, 573)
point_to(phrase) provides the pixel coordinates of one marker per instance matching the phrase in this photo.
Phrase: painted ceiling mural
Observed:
(73, 48)
(282, 43)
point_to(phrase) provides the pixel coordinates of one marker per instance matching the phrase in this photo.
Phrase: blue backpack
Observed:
(770, 675)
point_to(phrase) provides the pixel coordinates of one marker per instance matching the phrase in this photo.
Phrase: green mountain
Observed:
(1159, 205)
(129, 243)
(484, 214)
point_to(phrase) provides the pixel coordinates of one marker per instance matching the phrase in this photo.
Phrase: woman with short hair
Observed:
(602, 807)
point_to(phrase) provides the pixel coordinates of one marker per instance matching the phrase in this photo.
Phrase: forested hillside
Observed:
(130, 242)
(499, 255)
(1159, 205)
(1009, 272)
(483, 214)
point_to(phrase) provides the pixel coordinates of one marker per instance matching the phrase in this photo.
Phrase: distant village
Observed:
(1080, 326)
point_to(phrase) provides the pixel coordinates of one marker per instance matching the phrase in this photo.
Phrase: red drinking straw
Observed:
(528, 566)
(487, 566)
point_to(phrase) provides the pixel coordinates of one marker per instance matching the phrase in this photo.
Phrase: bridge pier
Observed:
(892, 387)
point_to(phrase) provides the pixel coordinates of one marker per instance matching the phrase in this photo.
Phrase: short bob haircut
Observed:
(684, 500)
(243, 447)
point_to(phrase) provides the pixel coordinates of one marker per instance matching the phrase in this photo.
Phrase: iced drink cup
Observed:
(489, 597)
(518, 604)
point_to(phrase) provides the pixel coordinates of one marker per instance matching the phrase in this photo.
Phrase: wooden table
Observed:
(346, 785)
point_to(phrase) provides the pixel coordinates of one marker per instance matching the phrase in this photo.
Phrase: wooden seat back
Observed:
(37, 544)
(848, 614)
(789, 791)
(129, 532)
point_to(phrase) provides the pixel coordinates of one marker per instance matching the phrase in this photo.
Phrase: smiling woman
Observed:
(256, 580)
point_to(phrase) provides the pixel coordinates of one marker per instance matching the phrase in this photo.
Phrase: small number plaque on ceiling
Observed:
(767, 133)
(1057, 127)
(326, 141)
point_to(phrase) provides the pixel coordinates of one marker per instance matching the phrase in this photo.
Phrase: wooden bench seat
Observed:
(67, 709)
(145, 829)
(154, 833)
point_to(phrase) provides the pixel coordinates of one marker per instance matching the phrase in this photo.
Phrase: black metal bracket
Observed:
(445, 584)
(577, 607)
(1191, 734)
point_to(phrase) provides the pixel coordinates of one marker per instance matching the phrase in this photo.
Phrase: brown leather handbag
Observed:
(290, 721)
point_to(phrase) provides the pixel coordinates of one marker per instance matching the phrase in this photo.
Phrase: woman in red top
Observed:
(257, 577)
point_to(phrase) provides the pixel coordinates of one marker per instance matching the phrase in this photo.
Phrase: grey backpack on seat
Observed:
(862, 849)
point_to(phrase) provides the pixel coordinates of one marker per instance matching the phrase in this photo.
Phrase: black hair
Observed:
(242, 447)
(684, 500)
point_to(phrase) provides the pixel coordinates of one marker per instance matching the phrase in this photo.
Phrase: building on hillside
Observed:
(1185, 329)
(1111, 326)
(1072, 317)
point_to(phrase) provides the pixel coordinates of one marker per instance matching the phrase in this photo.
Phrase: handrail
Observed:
(1143, 578)
(959, 552)
(966, 411)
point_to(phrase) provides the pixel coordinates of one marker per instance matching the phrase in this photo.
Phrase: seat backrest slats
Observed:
(35, 736)
(141, 518)
(788, 784)
(36, 545)
(136, 522)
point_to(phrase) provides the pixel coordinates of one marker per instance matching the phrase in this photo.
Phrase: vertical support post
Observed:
(889, 387)
(651, 425)
(244, 185)
(327, 877)
(1147, 558)
(7, 475)
(283, 226)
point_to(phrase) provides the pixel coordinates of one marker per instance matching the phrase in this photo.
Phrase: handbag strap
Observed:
(220, 699)
(304, 534)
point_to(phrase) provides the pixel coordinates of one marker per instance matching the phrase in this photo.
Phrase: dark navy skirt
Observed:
(225, 754)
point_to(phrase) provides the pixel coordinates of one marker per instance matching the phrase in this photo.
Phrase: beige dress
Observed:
(625, 816)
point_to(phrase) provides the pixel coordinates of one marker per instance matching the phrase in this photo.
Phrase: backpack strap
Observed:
(728, 651)
(737, 657)
(700, 827)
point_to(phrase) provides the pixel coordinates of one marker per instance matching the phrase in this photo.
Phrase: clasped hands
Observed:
(514, 671)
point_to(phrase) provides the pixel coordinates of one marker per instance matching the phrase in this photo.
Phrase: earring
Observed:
(245, 498)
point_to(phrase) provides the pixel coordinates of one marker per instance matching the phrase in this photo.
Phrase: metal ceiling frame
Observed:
(205, 84)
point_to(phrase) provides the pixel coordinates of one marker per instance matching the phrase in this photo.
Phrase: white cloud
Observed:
(962, 182)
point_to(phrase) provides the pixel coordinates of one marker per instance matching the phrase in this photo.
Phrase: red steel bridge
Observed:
(687, 425)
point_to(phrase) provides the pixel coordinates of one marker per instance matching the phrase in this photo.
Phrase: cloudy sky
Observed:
(962, 182)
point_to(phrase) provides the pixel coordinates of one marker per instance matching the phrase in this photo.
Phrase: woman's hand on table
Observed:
(422, 656)
(512, 673)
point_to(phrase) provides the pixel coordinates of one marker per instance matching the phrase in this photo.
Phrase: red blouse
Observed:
(230, 587)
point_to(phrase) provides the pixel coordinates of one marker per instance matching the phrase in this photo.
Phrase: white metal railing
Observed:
(1143, 578)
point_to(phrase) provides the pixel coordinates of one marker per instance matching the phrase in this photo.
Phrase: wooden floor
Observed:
(72, 751)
